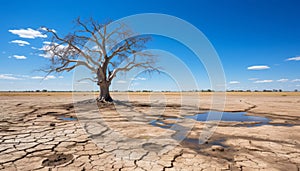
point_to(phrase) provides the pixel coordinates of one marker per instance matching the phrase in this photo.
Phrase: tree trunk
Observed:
(104, 93)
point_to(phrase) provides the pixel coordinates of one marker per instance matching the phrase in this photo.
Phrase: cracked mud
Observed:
(35, 137)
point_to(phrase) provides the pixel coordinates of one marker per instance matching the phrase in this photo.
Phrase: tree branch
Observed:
(105, 51)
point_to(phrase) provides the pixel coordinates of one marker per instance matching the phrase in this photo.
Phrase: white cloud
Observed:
(121, 82)
(28, 33)
(37, 77)
(253, 79)
(295, 80)
(263, 81)
(234, 82)
(297, 58)
(46, 29)
(20, 42)
(45, 55)
(9, 77)
(47, 46)
(50, 77)
(283, 80)
(96, 47)
(45, 78)
(24, 76)
(47, 42)
(19, 57)
(258, 67)
(60, 77)
(139, 78)
(82, 82)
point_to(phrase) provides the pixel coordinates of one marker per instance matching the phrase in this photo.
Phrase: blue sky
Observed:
(258, 42)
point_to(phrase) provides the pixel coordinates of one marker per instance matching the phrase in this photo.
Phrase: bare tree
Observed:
(107, 48)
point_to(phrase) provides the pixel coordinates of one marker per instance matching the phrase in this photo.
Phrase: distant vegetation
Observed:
(207, 90)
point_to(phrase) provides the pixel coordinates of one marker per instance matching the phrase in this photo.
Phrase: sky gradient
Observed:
(258, 42)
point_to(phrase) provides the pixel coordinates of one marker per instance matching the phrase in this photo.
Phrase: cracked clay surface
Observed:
(35, 137)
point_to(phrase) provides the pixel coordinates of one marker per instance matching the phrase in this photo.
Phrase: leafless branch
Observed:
(99, 49)
(90, 79)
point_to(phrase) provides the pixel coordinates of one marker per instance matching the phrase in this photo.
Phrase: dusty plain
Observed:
(49, 131)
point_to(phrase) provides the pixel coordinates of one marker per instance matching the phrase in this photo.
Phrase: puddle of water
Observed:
(228, 116)
(214, 116)
(67, 118)
(250, 121)
(161, 124)
(241, 117)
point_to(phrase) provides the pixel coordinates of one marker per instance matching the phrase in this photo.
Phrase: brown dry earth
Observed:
(35, 136)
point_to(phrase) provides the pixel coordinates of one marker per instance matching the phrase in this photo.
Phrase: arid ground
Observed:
(46, 131)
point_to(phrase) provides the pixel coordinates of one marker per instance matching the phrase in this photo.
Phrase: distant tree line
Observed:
(207, 90)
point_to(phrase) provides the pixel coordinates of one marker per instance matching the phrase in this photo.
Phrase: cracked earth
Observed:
(47, 132)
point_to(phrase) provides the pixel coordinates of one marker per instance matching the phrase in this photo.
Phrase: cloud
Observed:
(234, 82)
(51, 46)
(253, 79)
(81, 82)
(297, 58)
(96, 47)
(258, 67)
(295, 80)
(283, 80)
(50, 77)
(45, 55)
(9, 77)
(37, 77)
(23, 76)
(28, 33)
(47, 42)
(263, 81)
(139, 78)
(43, 78)
(121, 82)
(19, 57)
(20, 42)
(46, 29)
(60, 77)
(45, 48)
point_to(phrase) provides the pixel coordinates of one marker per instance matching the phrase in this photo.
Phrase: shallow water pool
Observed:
(67, 118)
(228, 116)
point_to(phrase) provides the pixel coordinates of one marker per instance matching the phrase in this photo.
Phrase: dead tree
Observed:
(106, 50)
